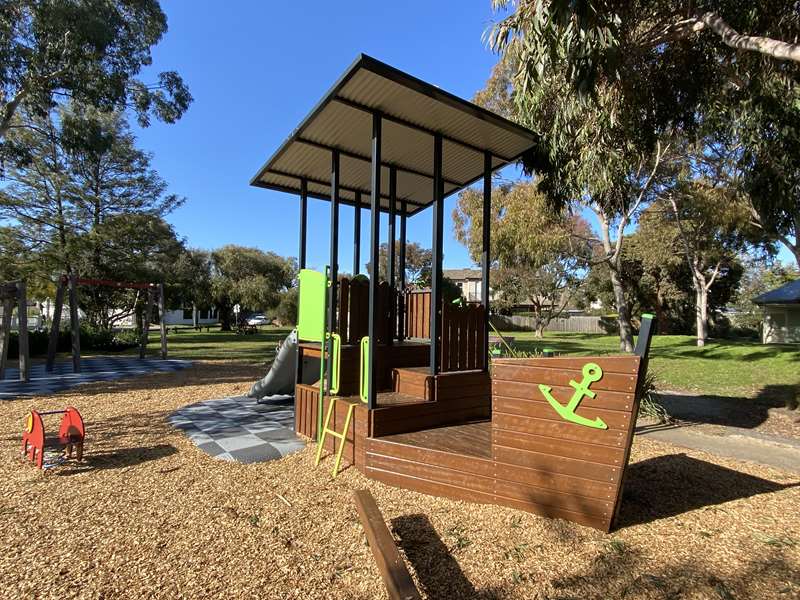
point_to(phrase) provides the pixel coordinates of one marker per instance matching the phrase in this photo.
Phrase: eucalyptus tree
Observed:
(539, 255)
(250, 277)
(90, 51)
(605, 81)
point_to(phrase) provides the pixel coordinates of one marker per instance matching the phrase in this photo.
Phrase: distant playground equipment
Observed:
(155, 291)
(71, 435)
(11, 293)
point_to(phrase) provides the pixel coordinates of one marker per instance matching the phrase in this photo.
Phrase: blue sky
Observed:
(255, 69)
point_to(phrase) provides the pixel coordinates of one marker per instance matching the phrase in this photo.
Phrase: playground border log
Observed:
(393, 570)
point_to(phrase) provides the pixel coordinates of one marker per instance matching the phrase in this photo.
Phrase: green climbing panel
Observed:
(311, 312)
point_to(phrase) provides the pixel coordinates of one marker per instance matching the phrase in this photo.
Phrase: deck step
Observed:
(414, 381)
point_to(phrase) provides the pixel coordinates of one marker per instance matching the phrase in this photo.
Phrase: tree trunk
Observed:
(623, 312)
(701, 312)
(225, 318)
(538, 332)
(661, 315)
(195, 320)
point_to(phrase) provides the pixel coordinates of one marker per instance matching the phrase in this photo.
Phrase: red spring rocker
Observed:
(71, 434)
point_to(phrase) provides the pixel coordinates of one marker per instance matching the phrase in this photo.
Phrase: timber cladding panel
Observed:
(548, 464)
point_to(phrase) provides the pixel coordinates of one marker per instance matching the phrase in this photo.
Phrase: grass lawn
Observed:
(220, 345)
(723, 367)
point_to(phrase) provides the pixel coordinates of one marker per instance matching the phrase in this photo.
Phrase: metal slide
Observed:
(278, 383)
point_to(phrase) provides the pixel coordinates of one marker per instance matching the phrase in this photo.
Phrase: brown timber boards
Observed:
(396, 577)
(539, 461)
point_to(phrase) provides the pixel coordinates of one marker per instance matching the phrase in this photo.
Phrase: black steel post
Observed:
(357, 235)
(303, 222)
(486, 253)
(391, 253)
(374, 240)
(436, 263)
(334, 260)
(401, 298)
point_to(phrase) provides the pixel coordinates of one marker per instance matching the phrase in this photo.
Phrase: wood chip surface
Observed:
(149, 515)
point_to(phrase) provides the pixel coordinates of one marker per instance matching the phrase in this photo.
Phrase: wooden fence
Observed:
(582, 324)
(463, 337)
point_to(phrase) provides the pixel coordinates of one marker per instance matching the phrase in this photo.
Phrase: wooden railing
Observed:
(353, 308)
(417, 321)
(463, 337)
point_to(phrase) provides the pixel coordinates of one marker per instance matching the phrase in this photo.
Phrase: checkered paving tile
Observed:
(239, 429)
(104, 368)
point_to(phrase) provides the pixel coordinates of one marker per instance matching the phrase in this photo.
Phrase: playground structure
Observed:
(155, 291)
(404, 384)
(71, 435)
(11, 293)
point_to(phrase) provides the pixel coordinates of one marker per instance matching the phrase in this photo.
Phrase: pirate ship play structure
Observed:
(405, 392)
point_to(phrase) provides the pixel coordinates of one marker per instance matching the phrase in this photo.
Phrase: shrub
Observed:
(287, 308)
(91, 339)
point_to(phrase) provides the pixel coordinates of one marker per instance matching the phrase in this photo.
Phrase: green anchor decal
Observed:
(591, 373)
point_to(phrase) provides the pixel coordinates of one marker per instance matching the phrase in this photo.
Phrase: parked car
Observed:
(259, 320)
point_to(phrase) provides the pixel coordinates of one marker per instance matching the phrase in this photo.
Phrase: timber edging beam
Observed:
(395, 574)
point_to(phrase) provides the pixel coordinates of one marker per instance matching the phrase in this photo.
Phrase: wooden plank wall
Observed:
(553, 467)
(418, 314)
(353, 310)
(463, 336)
(306, 402)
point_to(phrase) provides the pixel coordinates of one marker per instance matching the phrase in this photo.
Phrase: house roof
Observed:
(413, 111)
(458, 274)
(786, 294)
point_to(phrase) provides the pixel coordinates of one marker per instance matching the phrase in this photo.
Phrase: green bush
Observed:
(91, 340)
(286, 312)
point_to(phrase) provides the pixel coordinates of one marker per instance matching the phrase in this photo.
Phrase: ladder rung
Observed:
(335, 434)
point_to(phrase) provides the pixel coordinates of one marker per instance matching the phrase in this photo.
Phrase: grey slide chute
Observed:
(278, 383)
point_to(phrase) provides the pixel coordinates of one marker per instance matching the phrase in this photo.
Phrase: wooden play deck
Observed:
(462, 436)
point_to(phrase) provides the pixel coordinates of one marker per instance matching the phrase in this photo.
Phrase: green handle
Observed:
(336, 359)
(363, 388)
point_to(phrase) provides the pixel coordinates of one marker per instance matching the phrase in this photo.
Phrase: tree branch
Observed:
(730, 37)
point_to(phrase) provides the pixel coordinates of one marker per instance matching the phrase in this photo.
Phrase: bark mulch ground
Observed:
(150, 515)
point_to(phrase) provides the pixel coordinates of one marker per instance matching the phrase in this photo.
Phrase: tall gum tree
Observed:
(90, 51)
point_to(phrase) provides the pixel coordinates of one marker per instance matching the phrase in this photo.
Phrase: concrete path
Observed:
(741, 444)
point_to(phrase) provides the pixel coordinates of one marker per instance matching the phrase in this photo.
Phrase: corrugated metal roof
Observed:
(413, 111)
(786, 294)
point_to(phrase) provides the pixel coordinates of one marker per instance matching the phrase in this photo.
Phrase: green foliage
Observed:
(539, 255)
(649, 404)
(418, 263)
(759, 277)
(89, 50)
(249, 277)
(92, 340)
(88, 201)
(287, 307)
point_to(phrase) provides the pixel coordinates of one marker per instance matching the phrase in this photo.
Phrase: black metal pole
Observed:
(436, 263)
(391, 253)
(303, 222)
(334, 259)
(401, 306)
(357, 235)
(375, 232)
(485, 253)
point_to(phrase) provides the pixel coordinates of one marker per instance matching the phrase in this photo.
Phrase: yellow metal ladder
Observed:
(351, 406)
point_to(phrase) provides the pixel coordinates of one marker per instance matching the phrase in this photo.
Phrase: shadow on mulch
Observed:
(116, 459)
(611, 576)
(666, 486)
(732, 411)
(439, 573)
